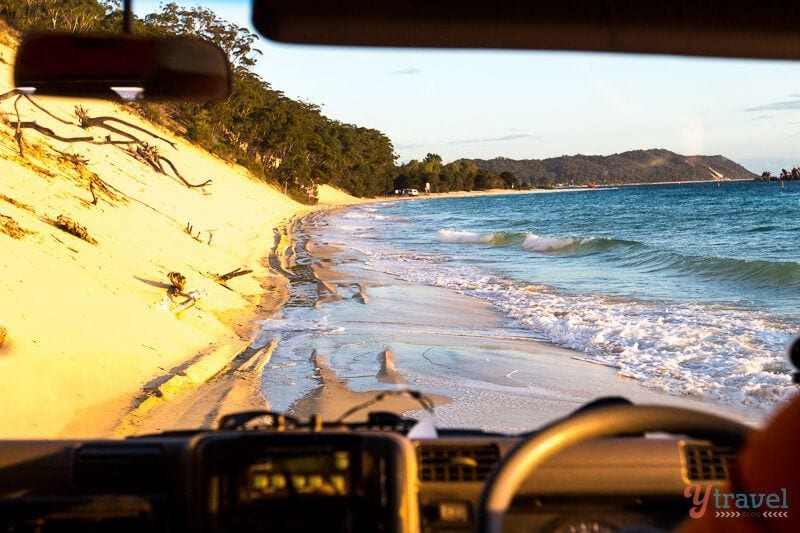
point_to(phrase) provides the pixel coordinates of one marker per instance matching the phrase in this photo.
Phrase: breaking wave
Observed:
(729, 354)
(756, 272)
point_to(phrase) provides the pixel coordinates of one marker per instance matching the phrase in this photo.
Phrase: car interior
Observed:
(609, 466)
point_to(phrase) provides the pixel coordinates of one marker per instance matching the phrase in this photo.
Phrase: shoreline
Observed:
(228, 379)
(90, 333)
(231, 381)
(503, 192)
(527, 372)
(335, 392)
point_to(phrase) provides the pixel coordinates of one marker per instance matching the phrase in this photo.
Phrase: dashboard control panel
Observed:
(284, 481)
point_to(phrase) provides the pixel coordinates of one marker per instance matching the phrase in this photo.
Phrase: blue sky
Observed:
(542, 104)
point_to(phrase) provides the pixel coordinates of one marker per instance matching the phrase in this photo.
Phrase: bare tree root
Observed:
(18, 129)
(150, 154)
(10, 227)
(142, 151)
(48, 132)
(9, 94)
(48, 113)
(178, 174)
(85, 121)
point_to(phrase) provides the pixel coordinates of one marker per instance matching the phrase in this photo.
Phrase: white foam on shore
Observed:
(371, 214)
(731, 355)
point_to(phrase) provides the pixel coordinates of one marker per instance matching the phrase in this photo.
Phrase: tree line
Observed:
(460, 175)
(283, 141)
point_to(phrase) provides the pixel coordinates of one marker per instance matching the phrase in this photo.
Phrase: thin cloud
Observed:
(407, 71)
(787, 105)
(435, 144)
(510, 137)
(761, 117)
(414, 146)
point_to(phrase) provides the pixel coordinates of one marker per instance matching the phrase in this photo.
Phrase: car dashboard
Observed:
(341, 480)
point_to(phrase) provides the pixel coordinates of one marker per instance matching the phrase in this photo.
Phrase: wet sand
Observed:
(341, 320)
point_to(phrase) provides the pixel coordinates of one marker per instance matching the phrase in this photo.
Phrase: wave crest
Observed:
(538, 243)
(460, 236)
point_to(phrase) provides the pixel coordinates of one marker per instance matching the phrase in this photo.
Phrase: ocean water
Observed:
(691, 289)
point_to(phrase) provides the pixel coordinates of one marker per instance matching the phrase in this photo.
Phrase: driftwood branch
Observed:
(18, 129)
(178, 174)
(232, 274)
(223, 279)
(85, 121)
(150, 154)
(48, 113)
(178, 288)
(146, 153)
(196, 236)
(91, 190)
(9, 94)
(177, 281)
(17, 92)
(48, 132)
(73, 228)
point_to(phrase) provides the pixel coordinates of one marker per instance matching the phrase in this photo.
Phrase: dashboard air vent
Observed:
(120, 468)
(706, 462)
(456, 462)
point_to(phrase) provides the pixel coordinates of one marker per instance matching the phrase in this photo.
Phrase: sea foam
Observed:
(461, 236)
(728, 354)
(538, 243)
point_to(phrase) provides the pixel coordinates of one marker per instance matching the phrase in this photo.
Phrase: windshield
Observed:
(513, 234)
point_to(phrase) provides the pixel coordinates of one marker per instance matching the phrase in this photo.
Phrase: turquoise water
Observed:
(693, 289)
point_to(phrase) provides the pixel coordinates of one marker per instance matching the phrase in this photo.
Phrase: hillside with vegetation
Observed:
(637, 166)
(283, 141)
(292, 145)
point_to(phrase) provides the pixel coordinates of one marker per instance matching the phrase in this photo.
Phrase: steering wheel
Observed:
(513, 468)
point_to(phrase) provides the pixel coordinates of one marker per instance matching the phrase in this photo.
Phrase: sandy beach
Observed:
(92, 343)
(90, 333)
(343, 318)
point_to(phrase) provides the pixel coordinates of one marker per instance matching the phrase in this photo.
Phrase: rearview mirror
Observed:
(763, 30)
(122, 67)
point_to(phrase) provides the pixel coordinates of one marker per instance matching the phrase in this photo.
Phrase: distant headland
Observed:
(636, 166)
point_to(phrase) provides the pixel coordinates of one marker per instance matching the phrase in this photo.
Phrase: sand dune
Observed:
(88, 326)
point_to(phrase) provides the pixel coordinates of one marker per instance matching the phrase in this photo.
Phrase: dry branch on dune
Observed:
(10, 227)
(223, 279)
(136, 147)
(196, 236)
(15, 203)
(178, 288)
(150, 154)
(178, 282)
(95, 183)
(85, 122)
(73, 228)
